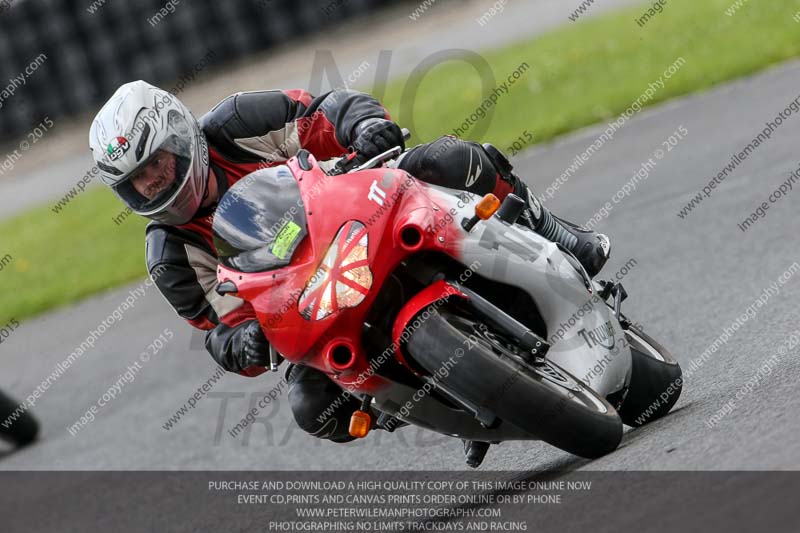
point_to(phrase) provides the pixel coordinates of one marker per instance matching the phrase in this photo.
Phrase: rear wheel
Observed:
(491, 370)
(656, 380)
(23, 429)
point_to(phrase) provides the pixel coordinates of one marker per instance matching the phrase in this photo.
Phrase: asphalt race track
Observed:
(692, 278)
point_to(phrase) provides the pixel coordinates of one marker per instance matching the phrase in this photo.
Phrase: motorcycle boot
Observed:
(591, 249)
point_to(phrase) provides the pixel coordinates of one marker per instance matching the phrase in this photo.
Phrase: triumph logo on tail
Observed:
(600, 336)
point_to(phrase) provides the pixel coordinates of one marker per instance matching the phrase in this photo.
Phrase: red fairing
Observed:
(426, 298)
(376, 204)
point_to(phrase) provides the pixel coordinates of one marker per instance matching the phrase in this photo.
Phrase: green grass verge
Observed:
(60, 258)
(591, 71)
(580, 74)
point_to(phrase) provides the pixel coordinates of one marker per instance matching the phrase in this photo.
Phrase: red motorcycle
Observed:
(434, 308)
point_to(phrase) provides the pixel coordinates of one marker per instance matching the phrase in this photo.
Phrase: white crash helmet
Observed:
(135, 123)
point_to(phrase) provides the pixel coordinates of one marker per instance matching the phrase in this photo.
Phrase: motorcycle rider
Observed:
(167, 166)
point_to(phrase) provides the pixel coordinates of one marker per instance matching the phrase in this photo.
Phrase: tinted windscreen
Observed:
(260, 221)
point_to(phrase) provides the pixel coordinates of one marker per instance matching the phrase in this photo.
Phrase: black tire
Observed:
(23, 430)
(543, 400)
(655, 384)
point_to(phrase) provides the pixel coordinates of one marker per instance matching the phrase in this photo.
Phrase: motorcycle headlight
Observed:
(343, 279)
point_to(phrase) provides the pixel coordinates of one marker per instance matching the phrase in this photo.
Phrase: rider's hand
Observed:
(254, 346)
(240, 347)
(374, 136)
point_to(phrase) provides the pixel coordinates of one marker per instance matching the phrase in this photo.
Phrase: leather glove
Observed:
(239, 347)
(374, 136)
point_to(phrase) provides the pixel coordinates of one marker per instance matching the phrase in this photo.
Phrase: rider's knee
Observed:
(320, 407)
(454, 163)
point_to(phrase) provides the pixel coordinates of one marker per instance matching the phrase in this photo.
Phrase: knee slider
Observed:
(453, 163)
(462, 165)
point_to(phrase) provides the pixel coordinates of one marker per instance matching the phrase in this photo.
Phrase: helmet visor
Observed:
(155, 182)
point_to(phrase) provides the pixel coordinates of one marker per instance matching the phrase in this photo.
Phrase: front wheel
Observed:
(656, 380)
(488, 368)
